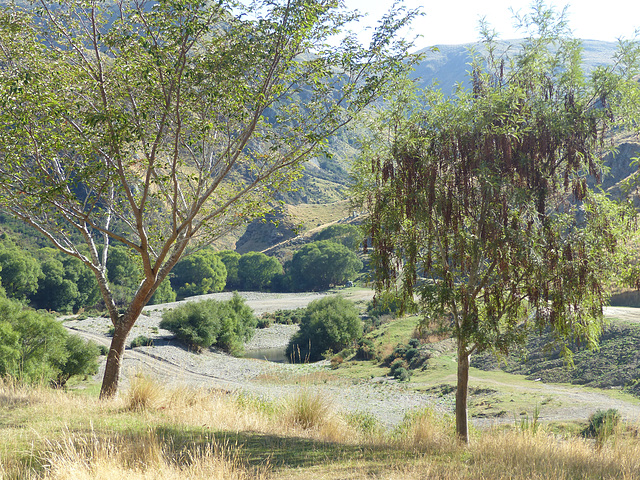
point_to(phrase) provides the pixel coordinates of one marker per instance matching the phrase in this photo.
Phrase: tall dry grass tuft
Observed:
(90, 458)
(307, 410)
(522, 455)
(427, 431)
(144, 393)
(313, 415)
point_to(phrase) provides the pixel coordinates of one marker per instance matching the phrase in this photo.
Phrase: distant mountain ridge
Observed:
(447, 65)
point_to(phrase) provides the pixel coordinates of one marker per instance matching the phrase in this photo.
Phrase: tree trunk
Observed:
(462, 421)
(114, 359)
(114, 362)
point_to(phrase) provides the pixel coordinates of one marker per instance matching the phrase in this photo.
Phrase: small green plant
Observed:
(602, 424)
(364, 422)
(399, 370)
(526, 425)
(141, 341)
(366, 350)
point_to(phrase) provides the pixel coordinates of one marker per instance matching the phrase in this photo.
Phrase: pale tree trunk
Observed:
(462, 421)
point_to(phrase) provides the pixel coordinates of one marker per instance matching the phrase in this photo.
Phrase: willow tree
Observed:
(479, 203)
(161, 125)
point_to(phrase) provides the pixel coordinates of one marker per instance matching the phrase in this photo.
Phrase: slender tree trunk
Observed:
(114, 362)
(462, 421)
(115, 356)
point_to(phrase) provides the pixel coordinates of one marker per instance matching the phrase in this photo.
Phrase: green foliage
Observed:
(384, 303)
(318, 265)
(231, 260)
(124, 273)
(366, 350)
(34, 347)
(285, 317)
(66, 284)
(141, 341)
(479, 202)
(348, 235)
(223, 324)
(198, 274)
(149, 126)
(81, 360)
(164, 293)
(616, 362)
(256, 270)
(602, 424)
(19, 271)
(329, 323)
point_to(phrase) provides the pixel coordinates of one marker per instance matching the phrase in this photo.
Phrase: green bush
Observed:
(34, 347)
(385, 303)
(602, 424)
(81, 360)
(401, 374)
(366, 350)
(141, 341)
(226, 324)
(330, 323)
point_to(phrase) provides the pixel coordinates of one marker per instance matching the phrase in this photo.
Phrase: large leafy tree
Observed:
(163, 124)
(256, 270)
(319, 265)
(479, 202)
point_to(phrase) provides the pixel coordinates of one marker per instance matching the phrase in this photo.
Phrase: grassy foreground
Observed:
(156, 433)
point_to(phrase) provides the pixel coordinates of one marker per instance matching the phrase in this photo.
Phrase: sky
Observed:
(456, 21)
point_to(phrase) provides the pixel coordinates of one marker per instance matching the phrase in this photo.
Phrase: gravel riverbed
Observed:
(171, 363)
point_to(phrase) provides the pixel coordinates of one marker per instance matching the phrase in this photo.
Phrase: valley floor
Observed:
(496, 397)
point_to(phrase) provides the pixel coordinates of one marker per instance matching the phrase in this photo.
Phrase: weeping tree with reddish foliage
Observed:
(162, 125)
(479, 203)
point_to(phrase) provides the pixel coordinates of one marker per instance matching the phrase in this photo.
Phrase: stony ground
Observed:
(388, 400)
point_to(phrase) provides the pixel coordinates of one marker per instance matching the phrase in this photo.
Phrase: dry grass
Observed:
(82, 458)
(195, 434)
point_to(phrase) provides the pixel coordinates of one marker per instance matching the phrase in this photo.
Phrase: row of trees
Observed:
(50, 280)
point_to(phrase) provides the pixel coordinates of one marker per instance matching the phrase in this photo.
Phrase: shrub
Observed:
(141, 341)
(602, 424)
(330, 323)
(318, 265)
(385, 303)
(35, 347)
(397, 364)
(81, 360)
(226, 325)
(284, 317)
(336, 361)
(366, 350)
(401, 374)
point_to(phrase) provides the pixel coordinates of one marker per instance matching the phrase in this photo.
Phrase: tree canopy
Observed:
(479, 202)
(318, 265)
(164, 124)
